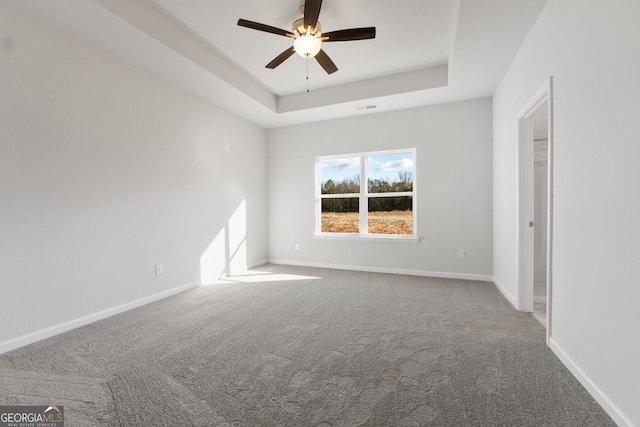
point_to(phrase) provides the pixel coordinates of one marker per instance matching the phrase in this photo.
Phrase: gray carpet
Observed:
(307, 347)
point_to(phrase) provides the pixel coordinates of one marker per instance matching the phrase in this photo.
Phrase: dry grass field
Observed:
(393, 222)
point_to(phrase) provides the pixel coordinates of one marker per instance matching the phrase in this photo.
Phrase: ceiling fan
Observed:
(308, 36)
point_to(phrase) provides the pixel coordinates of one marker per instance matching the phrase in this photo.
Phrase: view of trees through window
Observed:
(383, 206)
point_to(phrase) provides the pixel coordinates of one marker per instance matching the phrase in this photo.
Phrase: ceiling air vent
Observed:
(367, 107)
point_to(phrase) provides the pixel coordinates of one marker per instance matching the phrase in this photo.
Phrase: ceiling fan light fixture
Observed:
(307, 46)
(308, 36)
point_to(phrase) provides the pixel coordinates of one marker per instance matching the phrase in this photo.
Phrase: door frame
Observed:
(526, 201)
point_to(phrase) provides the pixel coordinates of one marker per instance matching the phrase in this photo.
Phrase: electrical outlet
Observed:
(159, 269)
(461, 255)
(297, 246)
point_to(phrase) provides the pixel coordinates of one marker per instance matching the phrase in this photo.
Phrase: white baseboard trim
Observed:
(506, 294)
(439, 274)
(257, 264)
(610, 408)
(18, 342)
(542, 300)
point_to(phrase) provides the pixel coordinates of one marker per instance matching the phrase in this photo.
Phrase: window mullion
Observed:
(364, 200)
(398, 194)
(339, 195)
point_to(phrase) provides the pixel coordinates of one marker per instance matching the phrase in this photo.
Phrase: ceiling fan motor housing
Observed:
(298, 27)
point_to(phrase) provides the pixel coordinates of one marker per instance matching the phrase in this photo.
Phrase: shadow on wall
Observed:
(227, 252)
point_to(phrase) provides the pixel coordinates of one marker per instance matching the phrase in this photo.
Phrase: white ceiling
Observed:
(425, 51)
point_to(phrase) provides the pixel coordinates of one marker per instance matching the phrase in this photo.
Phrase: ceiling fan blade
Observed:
(281, 58)
(263, 27)
(350, 34)
(311, 13)
(326, 62)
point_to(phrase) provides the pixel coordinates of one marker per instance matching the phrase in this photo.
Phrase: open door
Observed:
(535, 206)
(540, 208)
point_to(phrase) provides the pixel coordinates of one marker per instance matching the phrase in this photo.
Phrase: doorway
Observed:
(540, 202)
(535, 207)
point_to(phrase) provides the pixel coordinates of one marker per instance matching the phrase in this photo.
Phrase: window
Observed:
(366, 194)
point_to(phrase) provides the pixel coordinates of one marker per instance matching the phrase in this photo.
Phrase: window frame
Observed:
(364, 196)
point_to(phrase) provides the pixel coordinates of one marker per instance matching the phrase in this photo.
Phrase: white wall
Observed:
(453, 164)
(591, 48)
(106, 171)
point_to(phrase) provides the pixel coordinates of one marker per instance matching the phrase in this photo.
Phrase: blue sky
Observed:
(382, 166)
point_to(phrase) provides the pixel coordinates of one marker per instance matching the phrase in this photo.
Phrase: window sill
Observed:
(368, 237)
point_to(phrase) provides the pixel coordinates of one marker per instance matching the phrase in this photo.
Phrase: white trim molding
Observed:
(33, 337)
(408, 272)
(368, 237)
(512, 300)
(614, 412)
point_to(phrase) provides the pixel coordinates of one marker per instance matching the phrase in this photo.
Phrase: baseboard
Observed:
(542, 300)
(85, 320)
(506, 294)
(257, 264)
(614, 412)
(439, 274)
